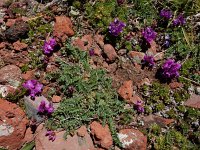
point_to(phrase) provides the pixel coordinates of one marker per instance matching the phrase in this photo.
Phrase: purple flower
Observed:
(149, 34)
(116, 27)
(91, 52)
(166, 13)
(51, 134)
(170, 69)
(120, 2)
(42, 107)
(33, 86)
(50, 109)
(180, 20)
(149, 60)
(49, 46)
(45, 109)
(71, 89)
(139, 106)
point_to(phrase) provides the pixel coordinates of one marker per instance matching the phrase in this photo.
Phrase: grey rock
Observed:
(17, 31)
(31, 107)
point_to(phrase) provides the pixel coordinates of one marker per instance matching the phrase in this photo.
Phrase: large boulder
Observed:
(71, 143)
(13, 123)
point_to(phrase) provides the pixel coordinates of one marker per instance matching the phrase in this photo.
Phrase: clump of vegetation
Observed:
(157, 99)
(101, 13)
(92, 97)
(160, 99)
(38, 29)
(172, 139)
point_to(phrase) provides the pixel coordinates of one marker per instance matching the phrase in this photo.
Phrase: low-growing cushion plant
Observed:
(92, 98)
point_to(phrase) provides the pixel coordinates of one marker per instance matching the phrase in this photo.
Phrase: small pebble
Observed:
(198, 90)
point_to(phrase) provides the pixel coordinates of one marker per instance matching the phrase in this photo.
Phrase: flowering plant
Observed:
(139, 106)
(149, 34)
(166, 13)
(49, 46)
(149, 60)
(170, 69)
(51, 134)
(116, 27)
(45, 108)
(180, 20)
(33, 87)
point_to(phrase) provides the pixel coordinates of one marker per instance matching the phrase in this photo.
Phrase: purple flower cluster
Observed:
(149, 60)
(33, 87)
(116, 27)
(179, 21)
(166, 13)
(51, 134)
(139, 106)
(170, 69)
(149, 34)
(45, 109)
(49, 46)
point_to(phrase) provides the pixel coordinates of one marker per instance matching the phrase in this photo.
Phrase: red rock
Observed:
(152, 50)
(28, 75)
(87, 39)
(175, 85)
(56, 99)
(63, 28)
(71, 143)
(78, 43)
(99, 40)
(82, 131)
(1, 21)
(84, 43)
(193, 101)
(2, 45)
(13, 124)
(136, 56)
(105, 65)
(29, 136)
(112, 67)
(110, 52)
(132, 139)
(10, 22)
(18, 46)
(97, 50)
(51, 68)
(159, 56)
(126, 90)
(3, 2)
(10, 73)
(151, 119)
(102, 135)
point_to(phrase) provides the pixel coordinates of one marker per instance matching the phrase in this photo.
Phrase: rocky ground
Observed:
(171, 109)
